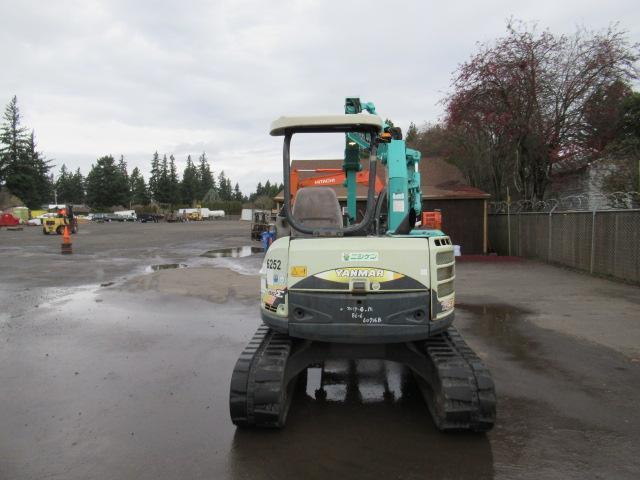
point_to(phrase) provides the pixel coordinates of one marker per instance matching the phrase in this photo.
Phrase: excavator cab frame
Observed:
(370, 125)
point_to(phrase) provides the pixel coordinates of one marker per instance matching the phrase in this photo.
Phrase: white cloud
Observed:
(99, 77)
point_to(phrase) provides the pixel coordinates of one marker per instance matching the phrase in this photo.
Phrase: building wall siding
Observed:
(586, 183)
(463, 221)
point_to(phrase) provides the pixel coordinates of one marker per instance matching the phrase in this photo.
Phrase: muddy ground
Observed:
(115, 363)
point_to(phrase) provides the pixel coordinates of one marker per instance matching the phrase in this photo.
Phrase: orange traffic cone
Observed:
(66, 241)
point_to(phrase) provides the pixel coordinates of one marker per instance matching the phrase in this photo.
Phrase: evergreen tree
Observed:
(70, 186)
(205, 177)
(40, 173)
(77, 188)
(123, 184)
(139, 192)
(104, 184)
(155, 176)
(228, 189)
(162, 185)
(211, 196)
(237, 194)
(23, 169)
(412, 134)
(224, 187)
(173, 183)
(266, 190)
(190, 186)
(63, 185)
(13, 138)
(623, 153)
(135, 173)
(122, 166)
(258, 192)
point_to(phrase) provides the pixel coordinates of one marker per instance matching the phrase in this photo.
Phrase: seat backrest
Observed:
(317, 207)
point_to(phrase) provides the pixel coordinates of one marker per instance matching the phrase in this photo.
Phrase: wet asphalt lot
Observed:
(113, 365)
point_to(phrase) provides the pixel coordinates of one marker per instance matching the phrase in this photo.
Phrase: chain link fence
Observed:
(603, 240)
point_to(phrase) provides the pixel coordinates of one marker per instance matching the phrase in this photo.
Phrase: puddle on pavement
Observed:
(232, 252)
(504, 326)
(500, 324)
(347, 412)
(165, 266)
(362, 381)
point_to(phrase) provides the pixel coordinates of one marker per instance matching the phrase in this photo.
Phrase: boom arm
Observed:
(365, 135)
(403, 180)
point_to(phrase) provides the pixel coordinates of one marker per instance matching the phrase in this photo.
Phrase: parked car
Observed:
(147, 217)
(105, 217)
(97, 217)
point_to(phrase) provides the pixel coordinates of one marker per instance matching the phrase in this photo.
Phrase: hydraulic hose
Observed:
(382, 198)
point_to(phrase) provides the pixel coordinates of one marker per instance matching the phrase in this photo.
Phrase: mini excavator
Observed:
(378, 288)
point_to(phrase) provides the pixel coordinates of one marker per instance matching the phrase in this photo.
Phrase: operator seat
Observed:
(316, 207)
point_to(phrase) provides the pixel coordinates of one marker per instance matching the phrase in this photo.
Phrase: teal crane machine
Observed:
(360, 285)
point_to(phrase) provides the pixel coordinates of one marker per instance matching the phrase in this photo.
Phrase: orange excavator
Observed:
(336, 177)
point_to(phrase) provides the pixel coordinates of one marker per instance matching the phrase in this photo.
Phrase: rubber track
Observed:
(462, 396)
(257, 397)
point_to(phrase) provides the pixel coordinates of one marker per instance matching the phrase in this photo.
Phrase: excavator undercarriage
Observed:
(454, 382)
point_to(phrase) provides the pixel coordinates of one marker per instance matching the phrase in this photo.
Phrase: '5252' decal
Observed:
(273, 264)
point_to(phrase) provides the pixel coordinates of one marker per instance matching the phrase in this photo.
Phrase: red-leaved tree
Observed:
(529, 100)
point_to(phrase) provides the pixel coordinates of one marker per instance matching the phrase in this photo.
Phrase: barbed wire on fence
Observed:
(581, 202)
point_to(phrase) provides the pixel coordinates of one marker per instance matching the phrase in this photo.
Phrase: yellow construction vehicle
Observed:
(261, 222)
(63, 217)
(195, 216)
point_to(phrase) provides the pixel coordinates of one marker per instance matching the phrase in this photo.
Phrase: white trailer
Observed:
(204, 213)
(213, 213)
(247, 214)
(126, 215)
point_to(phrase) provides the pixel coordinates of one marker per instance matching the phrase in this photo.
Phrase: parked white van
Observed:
(126, 215)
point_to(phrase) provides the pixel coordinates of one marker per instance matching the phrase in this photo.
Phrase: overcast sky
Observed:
(131, 77)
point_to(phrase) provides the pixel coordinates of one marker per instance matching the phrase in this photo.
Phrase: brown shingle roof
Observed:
(439, 179)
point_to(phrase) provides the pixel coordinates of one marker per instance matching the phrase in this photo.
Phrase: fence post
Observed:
(519, 234)
(593, 240)
(550, 223)
(508, 229)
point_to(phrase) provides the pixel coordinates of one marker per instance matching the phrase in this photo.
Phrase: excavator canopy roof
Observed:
(327, 123)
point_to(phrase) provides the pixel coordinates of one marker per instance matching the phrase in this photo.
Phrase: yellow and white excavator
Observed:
(378, 288)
